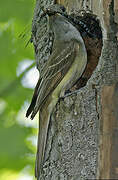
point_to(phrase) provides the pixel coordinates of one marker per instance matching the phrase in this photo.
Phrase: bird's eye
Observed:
(63, 8)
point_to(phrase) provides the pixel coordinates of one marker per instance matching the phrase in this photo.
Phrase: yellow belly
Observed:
(73, 74)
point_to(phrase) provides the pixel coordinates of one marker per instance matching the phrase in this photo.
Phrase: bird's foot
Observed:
(68, 93)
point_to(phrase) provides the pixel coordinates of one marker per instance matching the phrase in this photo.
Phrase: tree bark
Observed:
(83, 132)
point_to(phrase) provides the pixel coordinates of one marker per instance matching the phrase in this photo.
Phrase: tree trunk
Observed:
(83, 132)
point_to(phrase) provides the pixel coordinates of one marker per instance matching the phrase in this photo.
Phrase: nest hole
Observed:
(90, 29)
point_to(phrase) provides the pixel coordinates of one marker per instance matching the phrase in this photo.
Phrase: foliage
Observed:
(16, 152)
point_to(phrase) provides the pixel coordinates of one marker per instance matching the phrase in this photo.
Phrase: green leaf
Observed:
(15, 19)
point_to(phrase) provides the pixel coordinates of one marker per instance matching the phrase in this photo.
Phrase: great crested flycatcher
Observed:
(63, 68)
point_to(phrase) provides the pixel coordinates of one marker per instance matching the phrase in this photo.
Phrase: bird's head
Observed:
(60, 25)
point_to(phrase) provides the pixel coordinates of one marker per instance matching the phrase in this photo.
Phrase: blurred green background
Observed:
(18, 77)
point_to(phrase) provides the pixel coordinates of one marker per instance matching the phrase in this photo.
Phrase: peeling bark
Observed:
(83, 137)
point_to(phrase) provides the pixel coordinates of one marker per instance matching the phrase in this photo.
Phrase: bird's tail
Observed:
(44, 116)
(34, 99)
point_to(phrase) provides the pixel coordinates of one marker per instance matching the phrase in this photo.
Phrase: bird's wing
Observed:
(54, 71)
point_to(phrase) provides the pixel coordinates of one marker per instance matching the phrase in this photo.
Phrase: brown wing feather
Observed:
(53, 73)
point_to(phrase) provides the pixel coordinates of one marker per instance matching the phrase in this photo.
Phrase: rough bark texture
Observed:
(82, 140)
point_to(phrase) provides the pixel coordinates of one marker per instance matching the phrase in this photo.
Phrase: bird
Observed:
(64, 67)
